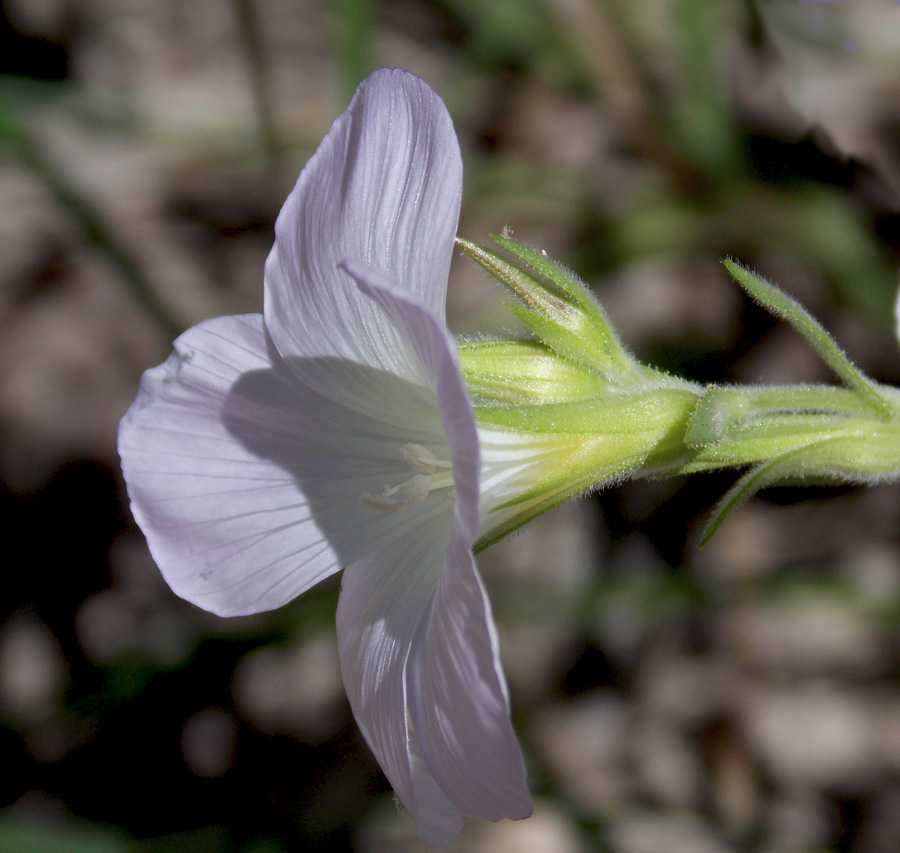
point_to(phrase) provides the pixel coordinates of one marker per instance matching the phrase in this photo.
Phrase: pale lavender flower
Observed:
(268, 452)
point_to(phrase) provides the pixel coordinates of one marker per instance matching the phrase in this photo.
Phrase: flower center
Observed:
(427, 478)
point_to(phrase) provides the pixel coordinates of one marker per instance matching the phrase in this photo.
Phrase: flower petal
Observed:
(247, 482)
(382, 603)
(384, 187)
(458, 699)
(229, 530)
(421, 669)
(417, 639)
(434, 351)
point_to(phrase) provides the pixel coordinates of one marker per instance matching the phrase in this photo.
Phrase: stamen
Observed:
(391, 499)
(417, 487)
(418, 458)
(421, 459)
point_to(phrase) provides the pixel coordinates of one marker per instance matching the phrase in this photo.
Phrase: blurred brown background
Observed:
(743, 697)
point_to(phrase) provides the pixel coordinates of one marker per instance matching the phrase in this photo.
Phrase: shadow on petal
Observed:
(340, 443)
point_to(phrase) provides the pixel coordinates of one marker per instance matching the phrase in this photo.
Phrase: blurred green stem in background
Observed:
(353, 20)
(260, 79)
(15, 137)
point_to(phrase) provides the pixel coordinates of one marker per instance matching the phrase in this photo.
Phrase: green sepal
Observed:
(559, 309)
(568, 282)
(509, 372)
(609, 414)
(590, 443)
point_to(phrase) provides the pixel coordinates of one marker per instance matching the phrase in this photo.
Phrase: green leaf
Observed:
(748, 485)
(783, 306)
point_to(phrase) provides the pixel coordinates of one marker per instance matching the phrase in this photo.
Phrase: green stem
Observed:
(258, 66)
(738, 426)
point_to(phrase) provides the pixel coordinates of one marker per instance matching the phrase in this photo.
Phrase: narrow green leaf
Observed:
(788, 309)
(815, 463)
(748, 485)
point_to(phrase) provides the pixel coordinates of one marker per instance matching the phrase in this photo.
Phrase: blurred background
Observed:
(745, 697)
